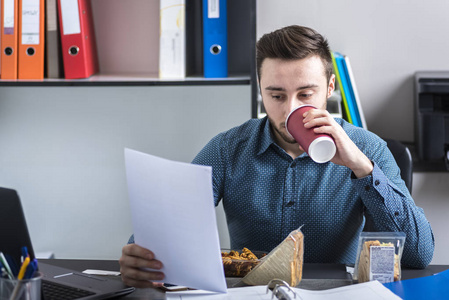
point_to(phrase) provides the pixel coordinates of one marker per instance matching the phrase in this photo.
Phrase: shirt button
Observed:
(396, 213)
(367, 188)
(290, 204)
(377, 182)
(293, 164)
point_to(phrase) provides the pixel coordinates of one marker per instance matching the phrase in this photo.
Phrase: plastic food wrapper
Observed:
(379, 256)
(283, 262)
(238, 263)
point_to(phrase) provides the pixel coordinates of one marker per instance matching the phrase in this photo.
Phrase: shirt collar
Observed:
(266, 139)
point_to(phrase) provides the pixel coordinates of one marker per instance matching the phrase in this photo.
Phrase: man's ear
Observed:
(331, 86)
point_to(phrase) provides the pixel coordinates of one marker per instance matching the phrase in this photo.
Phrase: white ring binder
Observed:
(281, 290)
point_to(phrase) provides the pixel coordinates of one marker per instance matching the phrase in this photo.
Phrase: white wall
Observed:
(62, 149)
(387, 41)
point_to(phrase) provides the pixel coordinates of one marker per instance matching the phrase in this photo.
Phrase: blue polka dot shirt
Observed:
(266, 194)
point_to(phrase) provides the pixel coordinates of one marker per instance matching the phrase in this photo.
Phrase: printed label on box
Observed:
(382, 263)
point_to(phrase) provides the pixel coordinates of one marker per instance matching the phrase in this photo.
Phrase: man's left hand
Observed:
(348, 154)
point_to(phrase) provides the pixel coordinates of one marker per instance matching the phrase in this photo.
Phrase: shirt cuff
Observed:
(377, 193)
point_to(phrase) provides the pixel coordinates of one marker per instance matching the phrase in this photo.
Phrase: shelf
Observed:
(130, 80)
(127, 38)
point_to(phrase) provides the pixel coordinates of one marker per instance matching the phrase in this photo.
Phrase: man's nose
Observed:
(293, 103)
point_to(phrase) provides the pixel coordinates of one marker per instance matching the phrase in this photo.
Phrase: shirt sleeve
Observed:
(131, 239)
(212, 155)
(390, 207)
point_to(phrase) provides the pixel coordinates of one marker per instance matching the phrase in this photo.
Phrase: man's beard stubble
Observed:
(283, 134)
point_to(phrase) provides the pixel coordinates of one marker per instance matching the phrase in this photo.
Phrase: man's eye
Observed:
(305, 95)
(276, 97)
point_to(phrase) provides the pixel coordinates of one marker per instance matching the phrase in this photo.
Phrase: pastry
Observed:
(238, 264)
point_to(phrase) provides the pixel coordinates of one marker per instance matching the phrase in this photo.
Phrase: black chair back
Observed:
(404, 160)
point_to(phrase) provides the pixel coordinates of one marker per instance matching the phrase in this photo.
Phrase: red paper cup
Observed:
(320, 147)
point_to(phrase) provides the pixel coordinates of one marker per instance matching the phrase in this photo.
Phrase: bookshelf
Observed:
(127, 36)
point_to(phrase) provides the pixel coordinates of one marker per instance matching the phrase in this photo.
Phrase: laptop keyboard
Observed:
(54, 291)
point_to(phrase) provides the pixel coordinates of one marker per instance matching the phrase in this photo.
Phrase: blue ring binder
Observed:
(215, 37)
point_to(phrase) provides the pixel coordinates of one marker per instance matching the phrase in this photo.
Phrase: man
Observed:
(269, 186)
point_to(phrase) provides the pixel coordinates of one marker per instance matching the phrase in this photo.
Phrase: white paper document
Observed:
(101, 272)
(372, 290)
(173, 215)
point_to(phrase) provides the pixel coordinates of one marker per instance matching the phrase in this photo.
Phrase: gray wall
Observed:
(62, 150)
(387, 41)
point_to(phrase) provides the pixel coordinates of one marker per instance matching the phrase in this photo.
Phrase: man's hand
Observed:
(134, 259)
(348, 154)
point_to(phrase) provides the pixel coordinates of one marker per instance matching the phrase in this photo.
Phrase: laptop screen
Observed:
(13, 229)
(14, 235)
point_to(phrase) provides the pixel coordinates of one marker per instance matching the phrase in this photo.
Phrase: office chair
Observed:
(403, 158)
(404, 161)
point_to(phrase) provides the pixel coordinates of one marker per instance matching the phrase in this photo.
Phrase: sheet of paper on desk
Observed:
(243, 293)
(372, 290)
(173, 215)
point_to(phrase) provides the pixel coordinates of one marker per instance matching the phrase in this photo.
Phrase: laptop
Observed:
(76, 285)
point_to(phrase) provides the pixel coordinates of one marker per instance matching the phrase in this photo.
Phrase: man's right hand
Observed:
(132, 263)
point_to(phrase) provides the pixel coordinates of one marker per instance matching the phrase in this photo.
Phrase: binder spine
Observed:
(31, 39)
(79, 51)
(172, 53)
(215, 38)
(9, 38)
(53, 51)
(338, 79)
(90, 42)
(347, 89)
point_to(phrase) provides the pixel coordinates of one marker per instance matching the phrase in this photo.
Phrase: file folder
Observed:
(172, 47)
(215, 38)
(79, 50)
(53, 53)
(338, 79)
(353, 86)
(31, 39)
(430, 287)
(353, 104)
(194, 38)
(9, 38)
(349, 95)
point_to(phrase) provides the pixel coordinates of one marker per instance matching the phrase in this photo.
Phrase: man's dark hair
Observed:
(291, 43)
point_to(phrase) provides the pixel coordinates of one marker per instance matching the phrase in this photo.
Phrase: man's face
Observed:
(287, 84)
